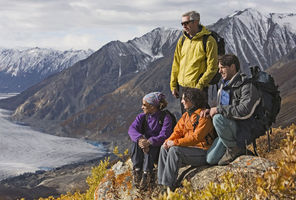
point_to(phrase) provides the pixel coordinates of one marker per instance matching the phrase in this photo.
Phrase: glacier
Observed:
(23, 149)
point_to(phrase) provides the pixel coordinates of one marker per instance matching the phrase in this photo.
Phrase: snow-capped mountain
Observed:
(156, 43)
(257, 38)
(20, 69)
(144, 50)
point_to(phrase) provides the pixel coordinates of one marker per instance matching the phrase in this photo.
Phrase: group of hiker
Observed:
(203, 135)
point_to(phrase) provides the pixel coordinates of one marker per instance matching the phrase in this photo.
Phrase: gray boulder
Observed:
(199, 177)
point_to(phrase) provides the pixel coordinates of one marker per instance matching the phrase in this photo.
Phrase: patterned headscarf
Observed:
(154, 98)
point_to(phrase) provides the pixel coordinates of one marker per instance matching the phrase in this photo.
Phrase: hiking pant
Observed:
(226, 130)
(144, 161)
(172, 159)
(215, 153)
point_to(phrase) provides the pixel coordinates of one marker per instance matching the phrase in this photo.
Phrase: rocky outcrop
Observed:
(117, 183)
(250, 165)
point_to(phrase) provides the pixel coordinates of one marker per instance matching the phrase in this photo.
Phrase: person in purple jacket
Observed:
(147, 135)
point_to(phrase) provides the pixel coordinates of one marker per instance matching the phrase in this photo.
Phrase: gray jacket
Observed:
(244, 98)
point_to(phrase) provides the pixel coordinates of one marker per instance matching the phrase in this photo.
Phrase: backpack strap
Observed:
(204, 42)
(182, 41)
(144, 125)
(255, 70)
(196, 122)
(163, 113)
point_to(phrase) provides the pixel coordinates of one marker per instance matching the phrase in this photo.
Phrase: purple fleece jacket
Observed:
(155, 133)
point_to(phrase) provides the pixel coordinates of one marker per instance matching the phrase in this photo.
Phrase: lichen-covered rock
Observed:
(117, 184)
(250, 165)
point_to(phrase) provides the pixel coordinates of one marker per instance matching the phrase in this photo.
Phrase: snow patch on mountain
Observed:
(286, 20)
(17, 62)
(152, 42)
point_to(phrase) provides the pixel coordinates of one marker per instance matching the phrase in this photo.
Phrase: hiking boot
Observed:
(137, 174)
(145, 182)
(250, 153)
(231, 154)
(162, 189)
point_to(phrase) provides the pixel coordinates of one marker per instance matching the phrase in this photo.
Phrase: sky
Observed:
(90, 24)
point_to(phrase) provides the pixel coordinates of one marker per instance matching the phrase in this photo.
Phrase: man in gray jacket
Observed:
(233, 118)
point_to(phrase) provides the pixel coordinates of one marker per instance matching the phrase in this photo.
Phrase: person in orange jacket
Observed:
(189, 142)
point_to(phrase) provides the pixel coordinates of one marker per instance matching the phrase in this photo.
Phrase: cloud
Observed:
(68, 41)
(95, 22)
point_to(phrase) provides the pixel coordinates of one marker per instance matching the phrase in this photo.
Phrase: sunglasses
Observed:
(186, 23)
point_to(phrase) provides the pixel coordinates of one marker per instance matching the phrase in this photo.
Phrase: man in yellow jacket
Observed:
(192, 66)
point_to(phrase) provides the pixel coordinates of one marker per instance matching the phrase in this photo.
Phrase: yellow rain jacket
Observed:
(190, 67)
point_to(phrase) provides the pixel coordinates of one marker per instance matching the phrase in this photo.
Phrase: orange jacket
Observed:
(184, 135)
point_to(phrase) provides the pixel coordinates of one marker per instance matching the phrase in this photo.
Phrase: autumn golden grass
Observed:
(276, 183)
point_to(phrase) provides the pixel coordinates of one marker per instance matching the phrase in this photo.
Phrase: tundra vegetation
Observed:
(276, 183)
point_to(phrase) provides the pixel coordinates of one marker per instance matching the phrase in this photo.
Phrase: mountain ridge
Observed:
(20, 69)
(264, 38)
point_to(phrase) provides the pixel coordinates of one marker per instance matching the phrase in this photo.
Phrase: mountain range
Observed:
(257, 38)
(20, 69)
(99, 97)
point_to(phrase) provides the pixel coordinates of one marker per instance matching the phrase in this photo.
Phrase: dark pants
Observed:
(181, 91)
(143, 160)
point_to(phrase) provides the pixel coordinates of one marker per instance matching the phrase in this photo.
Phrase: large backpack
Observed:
(163, 113)
(270, 103)
(221, 51)
(220, 42)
